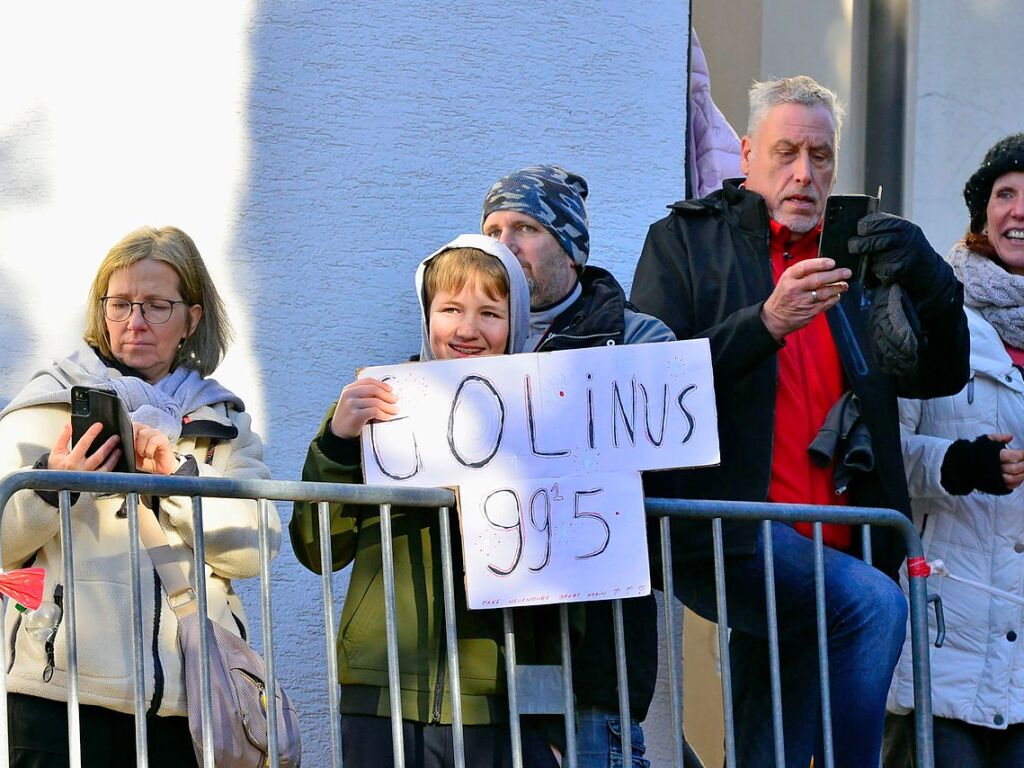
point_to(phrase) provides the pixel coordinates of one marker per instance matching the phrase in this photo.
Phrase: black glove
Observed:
(895, 331)
(898, 252)
(971, 465)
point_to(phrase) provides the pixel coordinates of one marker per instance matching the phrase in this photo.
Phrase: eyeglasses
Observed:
(154, 311)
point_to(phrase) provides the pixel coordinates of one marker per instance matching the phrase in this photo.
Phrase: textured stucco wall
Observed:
(316, 152)
(964, 93)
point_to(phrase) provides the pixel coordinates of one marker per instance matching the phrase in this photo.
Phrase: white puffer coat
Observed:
(31, 532)
(978, 674)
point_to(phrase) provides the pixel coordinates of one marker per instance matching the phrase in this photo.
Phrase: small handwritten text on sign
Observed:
(546, 450)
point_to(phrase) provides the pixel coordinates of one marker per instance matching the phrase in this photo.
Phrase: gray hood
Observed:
(519, 298)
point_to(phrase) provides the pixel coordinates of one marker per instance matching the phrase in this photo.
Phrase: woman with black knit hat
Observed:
(964, 467)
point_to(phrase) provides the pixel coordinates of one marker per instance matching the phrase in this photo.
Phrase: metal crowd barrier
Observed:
(520, 679)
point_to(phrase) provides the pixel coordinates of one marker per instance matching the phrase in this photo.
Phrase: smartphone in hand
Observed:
(839, 224)
(90, 405)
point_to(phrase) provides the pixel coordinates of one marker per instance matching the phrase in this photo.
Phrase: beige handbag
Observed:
(237, 677)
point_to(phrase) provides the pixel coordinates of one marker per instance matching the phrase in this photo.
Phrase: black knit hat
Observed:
(1005, 157)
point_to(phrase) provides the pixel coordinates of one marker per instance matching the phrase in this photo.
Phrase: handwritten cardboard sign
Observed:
(546, 451)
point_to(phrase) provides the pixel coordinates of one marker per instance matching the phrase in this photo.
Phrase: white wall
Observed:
(964, 94)
(315, 152)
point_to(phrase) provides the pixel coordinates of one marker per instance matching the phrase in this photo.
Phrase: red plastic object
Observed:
(24, 586)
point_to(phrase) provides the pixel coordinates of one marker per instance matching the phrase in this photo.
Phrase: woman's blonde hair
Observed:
(205, 347)
(450, 271)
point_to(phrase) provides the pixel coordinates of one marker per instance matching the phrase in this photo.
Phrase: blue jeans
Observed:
(865, 618)
(599, 741)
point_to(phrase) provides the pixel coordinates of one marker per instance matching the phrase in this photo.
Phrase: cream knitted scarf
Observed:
(990, 289)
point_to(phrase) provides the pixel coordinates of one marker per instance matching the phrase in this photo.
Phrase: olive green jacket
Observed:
(361, 646)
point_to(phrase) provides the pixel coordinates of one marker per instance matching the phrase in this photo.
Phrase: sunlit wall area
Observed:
(113, 116)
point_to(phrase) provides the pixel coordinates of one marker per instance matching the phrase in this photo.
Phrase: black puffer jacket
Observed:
(599, 317)
(705, 271)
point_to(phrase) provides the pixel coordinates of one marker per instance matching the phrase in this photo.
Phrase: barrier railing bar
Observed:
(391, 630)
(865, 543)
(70, 630)
(819, 616)
(268, 632)
(327, 581)
(138, 662)
(723, 643)
(709, 509)
(451, 638)
(622, 678)
(675, 653)
(199, 573)
(219, 487)
(774, 667)
(568, 702)
(287, 490)
(5, 737)
(920, 662)
(515, 733)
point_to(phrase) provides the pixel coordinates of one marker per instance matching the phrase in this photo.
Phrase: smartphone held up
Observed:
(839, 224)
(90, 405)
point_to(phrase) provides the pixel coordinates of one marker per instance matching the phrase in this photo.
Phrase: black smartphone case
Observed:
(839, 224)
(90, 405)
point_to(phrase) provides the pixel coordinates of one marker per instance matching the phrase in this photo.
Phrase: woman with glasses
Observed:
(156, 330)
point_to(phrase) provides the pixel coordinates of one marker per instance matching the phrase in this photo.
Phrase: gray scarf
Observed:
(161, 405)
(997, 294)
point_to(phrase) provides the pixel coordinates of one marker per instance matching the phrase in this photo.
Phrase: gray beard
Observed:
(802, 226)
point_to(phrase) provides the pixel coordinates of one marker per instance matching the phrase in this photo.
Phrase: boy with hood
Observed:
(474, 300)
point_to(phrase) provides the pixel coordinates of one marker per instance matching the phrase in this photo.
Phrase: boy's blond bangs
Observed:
(451, 270)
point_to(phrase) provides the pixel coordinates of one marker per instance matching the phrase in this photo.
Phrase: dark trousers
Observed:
(957, 744)
(366, 740)
(866, 615)
(39, 736)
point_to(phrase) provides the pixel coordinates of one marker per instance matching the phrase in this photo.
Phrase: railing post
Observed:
(138, 657)
(774, 669)
(723, 643)
(622, 677)
(70, 631)
(568, 700)
(268, 632)
(451, 638)
(675, 656)
(326, 577)
(5, 736)
(391, 630)
(819, 613)
(921, 667)
(515, 734)
(199, 571)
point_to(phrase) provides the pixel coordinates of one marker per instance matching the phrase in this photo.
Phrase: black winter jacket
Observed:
(599, 318)
(706, 271)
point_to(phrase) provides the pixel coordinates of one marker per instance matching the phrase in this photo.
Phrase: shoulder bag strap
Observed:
(180, 595)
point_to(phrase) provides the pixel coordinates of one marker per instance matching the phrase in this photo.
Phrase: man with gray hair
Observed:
(540, 214)
(794, 343)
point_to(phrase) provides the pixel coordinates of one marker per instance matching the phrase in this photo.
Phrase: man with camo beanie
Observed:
(540, 214)
(554, 197)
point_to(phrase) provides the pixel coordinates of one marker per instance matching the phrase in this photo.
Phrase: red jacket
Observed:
(810, 381)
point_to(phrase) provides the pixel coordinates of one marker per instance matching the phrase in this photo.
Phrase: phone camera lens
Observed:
(80, 406)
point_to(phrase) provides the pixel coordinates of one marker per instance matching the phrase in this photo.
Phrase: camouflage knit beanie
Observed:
(551, 195)
(1005, 157)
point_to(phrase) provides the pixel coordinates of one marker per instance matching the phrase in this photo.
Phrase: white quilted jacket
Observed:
(978, 674)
